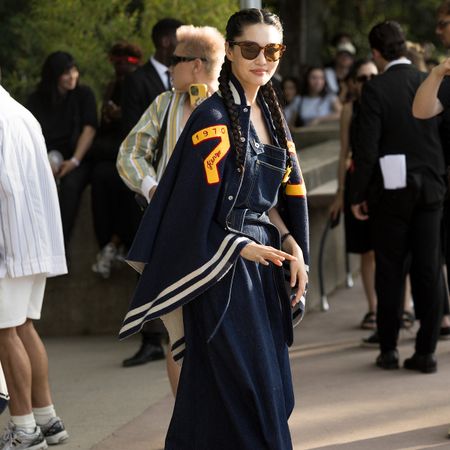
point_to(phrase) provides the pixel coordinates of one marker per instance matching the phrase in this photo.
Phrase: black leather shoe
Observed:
(422, 363)
(388, 360)
(148, 352)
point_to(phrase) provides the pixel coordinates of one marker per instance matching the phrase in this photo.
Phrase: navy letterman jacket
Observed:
(186, 243)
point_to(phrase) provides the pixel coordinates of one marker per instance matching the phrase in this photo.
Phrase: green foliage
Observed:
(87, 29)
(357, 17)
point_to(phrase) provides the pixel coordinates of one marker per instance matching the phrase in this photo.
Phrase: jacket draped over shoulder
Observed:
(185, 244)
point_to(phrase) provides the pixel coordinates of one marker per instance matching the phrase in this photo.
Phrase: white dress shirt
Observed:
(162, 72)
(31, 238)
(402, 60)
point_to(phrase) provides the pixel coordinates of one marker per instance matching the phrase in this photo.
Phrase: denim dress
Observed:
(235, 391)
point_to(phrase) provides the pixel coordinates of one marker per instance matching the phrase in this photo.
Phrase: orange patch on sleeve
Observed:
(296, 190)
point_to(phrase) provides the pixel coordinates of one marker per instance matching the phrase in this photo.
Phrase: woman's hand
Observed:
(337, 205)
(111, 112)
(442, 69)
(299, 275)
(264, 254)
(66, 167)
(361, 211)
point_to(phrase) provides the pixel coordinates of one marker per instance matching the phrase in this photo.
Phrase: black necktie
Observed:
(169, 80)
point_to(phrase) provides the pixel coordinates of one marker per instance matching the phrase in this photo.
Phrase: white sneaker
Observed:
(54, 431)
(17, 439)
(105, 259)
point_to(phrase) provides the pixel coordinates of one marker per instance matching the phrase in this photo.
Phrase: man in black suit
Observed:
(399, 182)
(139, 90)
(151, 79)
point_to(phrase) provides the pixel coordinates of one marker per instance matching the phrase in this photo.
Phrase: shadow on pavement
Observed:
(431, 437)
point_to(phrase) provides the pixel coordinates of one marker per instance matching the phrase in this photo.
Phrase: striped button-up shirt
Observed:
(31, 238)
(136, 152)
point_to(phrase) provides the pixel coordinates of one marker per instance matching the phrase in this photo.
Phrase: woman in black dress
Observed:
(67, 113)
(357, 232)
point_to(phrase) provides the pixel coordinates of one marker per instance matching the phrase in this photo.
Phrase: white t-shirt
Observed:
(309, 108)
(31, 237)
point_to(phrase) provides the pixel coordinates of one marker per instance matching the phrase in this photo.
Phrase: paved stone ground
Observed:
(343, 401)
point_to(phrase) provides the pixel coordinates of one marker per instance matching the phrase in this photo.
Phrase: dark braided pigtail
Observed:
(277, 116)
(233, 112)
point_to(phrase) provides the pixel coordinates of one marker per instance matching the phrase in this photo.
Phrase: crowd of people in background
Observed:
(123, 154)
(87, 148)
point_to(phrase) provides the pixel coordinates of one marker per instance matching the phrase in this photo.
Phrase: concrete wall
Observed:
(83, 303)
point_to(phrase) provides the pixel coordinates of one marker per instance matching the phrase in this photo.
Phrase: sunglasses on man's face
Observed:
(250, 50)
(175, 59)
(364, 78)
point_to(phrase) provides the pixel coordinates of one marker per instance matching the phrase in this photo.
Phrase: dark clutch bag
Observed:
(298, 311)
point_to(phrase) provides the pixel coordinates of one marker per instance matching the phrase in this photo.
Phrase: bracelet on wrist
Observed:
(75, 161)
(284, 237)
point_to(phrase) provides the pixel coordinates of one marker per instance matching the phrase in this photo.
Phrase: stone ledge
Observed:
(320, 196)
(308, 136)
(319, 163)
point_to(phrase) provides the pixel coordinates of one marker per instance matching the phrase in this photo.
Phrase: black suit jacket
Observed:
(139, 90)
(386, 126)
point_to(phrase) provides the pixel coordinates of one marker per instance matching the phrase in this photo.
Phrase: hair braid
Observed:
(233, 111)
(274, 106)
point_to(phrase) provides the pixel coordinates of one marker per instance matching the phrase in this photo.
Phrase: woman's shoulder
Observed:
(210, 112)
(330, 97)
(84, 91)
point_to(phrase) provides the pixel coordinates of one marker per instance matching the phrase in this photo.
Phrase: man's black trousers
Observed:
(406, 236)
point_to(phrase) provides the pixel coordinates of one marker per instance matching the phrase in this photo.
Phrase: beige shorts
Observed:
(21, 299)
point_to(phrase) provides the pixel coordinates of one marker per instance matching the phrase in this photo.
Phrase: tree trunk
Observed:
(302, 20)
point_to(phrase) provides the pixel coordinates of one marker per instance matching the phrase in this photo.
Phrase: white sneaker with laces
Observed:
(17, 439)
(105, 259)
(54, 431)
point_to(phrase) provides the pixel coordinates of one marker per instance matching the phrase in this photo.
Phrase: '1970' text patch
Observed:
(210, 163)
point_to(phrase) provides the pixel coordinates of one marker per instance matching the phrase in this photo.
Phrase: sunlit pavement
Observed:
(343, 401)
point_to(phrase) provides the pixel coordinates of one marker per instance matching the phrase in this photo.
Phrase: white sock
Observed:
(25, 423)
(43, 415)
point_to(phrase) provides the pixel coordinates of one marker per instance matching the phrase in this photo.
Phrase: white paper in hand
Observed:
(393, 168)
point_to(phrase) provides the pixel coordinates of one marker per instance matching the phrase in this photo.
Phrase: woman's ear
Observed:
(229, 51)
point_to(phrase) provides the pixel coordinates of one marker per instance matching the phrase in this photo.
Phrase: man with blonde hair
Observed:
(197, 59)
(139, 89)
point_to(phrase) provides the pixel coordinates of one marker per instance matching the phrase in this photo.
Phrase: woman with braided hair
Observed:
(230, 208)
